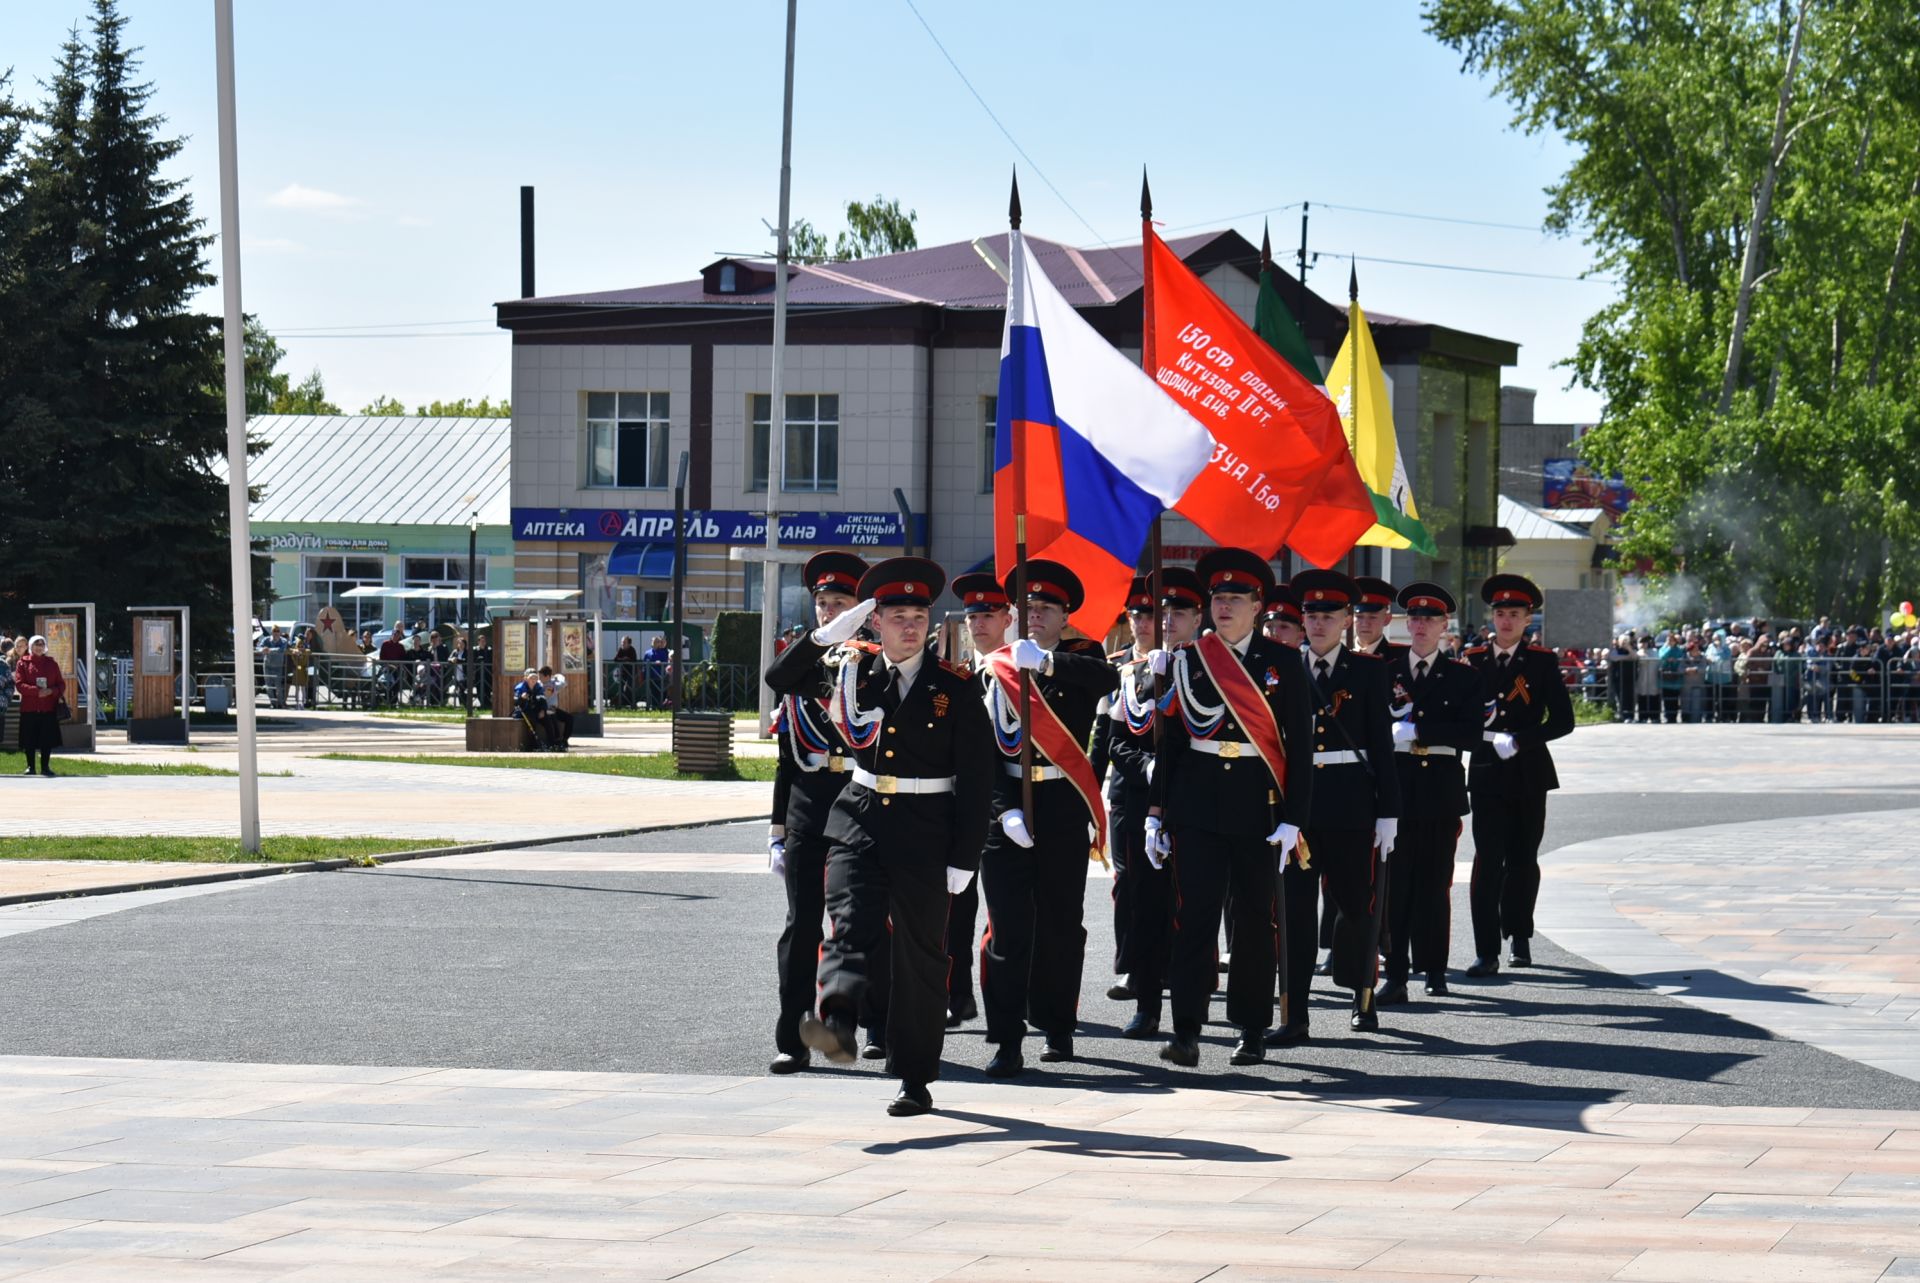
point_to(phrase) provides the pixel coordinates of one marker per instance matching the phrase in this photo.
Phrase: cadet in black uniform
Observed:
(1438, 712)
(1219, 807)
(989, 618)
(1371, 615)
(1142, 623)
(1356, 807)
(1143, 891)
(812, 770)
(1282, 622)
(905, 833)
(1034, 869)
(1512, 772)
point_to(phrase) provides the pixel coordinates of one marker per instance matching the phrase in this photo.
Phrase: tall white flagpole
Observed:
(777, 406)
(240, 531)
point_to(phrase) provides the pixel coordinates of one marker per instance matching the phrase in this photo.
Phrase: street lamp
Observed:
(473, 628)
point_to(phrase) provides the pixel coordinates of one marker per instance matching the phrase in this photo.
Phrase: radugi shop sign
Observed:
(709, 525)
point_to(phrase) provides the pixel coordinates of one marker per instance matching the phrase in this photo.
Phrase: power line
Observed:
(1429, 218)
(1007, 134)
(1463, 267)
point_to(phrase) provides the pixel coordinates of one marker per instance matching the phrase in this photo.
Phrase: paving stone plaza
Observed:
(546, 1061)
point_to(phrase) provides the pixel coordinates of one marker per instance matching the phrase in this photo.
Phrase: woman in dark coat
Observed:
(41, 687)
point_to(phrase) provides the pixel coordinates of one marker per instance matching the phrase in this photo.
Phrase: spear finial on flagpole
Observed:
(1266, 246)
(1353, 281)
(1013, 203)
(1146, 195)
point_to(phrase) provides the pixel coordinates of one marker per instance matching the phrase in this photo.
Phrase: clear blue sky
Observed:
(382, 147)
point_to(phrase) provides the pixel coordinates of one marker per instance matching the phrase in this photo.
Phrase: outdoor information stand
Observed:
(159, 670)
(68, 628)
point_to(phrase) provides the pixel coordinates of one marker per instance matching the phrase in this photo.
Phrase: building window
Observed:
(440, 572)
(812, 442)
(990, 417)
(627, 440)
(329, 578)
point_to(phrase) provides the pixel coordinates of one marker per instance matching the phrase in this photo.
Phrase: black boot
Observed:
(1250, 1050)
(914, 1099)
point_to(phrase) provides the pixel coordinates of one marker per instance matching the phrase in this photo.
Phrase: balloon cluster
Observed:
(1903, 617)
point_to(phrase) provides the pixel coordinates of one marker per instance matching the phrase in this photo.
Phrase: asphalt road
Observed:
(412, 965)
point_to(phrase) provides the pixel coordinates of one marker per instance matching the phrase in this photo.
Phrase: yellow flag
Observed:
(1358, 387)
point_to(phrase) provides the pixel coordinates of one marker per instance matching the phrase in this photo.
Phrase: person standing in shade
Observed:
(989, 618)
(1143, 890)
(1356, 808)
(1232, 782)
(1034, 868)
(1512, 773)
(40, 687)
(905, 834)
(1438, 709)
(813, 769)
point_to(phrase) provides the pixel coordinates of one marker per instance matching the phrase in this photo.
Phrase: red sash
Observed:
(1249, 705)
(1051, 736)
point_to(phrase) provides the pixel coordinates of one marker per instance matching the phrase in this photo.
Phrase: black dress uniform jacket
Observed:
(1530, 702)
(1353, 713)
(1081, 677)
(1449, 711)
(1201, 791)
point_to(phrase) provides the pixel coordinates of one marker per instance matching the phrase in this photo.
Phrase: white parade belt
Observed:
(1224, 748)
(1427, 750)
(901, 784)
(1040, 773)
(1343, 757)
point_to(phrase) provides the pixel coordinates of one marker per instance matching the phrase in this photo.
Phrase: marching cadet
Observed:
(1233, 780)
(1142, 890)
(1282, 622)
(1371, 615)
(905, 834)
(812, 770)
(1034, 868)
(1142, 622)
(1512, 773)
(1438, 709)
(989, 618)
(1356, 807)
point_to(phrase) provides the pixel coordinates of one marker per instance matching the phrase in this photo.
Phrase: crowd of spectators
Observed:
(399, 665)
(1752, 671)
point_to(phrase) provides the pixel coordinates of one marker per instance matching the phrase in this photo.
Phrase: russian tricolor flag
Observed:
(1104, 450)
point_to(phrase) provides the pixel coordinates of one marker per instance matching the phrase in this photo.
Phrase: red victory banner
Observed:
(1281, 472)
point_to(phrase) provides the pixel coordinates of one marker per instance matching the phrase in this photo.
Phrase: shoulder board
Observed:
(958, 670)
(1366, 655)
(1080, 646)
(1475, 650)
(1544, 650)
(864, 647)
(1120, 657)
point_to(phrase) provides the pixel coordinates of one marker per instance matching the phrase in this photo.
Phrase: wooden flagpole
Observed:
(1017, 265)
(1149, 361)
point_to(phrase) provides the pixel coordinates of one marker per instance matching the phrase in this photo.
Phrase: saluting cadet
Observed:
(905, 833)
(1034, 868)
(812, 769)
(1512, 772)
(1142, 890)
(1356, 807)
(1233, 780)
(1282, 622)
(989, 618)
(1371, 615)
(1438, 710)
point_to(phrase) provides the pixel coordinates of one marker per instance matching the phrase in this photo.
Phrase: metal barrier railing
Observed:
(1753, 688)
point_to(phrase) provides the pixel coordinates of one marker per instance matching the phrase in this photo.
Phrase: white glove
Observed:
(1504, 745)
(1158, 660)
(1014, 823)
(1385, 833)
(844, 625)
(1286, 837)
(958, 880)
(1028, 653)
(1158, 847)
(1405, 733)
(777, 853)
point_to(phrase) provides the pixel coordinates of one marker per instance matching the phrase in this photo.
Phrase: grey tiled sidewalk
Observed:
(139, 1170)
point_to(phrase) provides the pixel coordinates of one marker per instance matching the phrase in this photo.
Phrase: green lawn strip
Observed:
(1585, 714)
(646, 766)
(14, 764)
(206, 850)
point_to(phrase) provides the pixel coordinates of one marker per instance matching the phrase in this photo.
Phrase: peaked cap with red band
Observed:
(1180, 586)
(1427, 600)
(1321, 590)
(1138, 598)
(979, 592)
(903, 581)
(1282, 604)
(1051, 581)
(1511, 590)
(1234, 570)
(833, 572)
(1375, 593)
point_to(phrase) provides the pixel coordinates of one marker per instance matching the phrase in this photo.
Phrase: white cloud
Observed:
(312, 200)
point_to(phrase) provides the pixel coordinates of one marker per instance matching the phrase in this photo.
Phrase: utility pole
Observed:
(777, 407)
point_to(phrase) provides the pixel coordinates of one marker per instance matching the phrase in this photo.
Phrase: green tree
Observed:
(874, 227)
(384, 405)
(466, 408)
(1749, 173)
(309, 396)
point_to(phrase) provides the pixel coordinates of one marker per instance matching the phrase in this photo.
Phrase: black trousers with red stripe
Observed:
(888, 949)
(1420, 898)
(1342, 864)
(797, 955)
(1036, 941)
(1206, 868)
(1507, 830)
